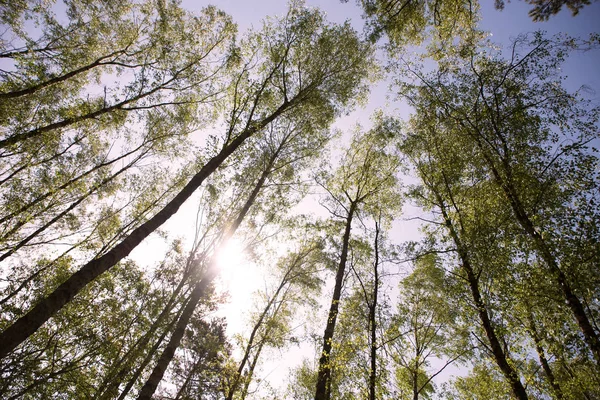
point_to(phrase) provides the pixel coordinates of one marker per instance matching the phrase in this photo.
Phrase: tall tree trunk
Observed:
(372, 319)
(199, 292)
(59, 216)
(257, 353)
(61, 78)
(323, 389)
(189, 378)
(415, 380)
(25, 326)
(112, 381)
(142, 366)
(248, 380)
(540, 244)
(70, 182)
(19, 137)
(497, 351)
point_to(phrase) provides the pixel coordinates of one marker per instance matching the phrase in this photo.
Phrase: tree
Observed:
(297, 281)
(413, 22)
(198, 370)
(530, 137)
(288, 66)
(74, 354)
(449, 188)
(365, 180)
(65, 59)
(425, 327)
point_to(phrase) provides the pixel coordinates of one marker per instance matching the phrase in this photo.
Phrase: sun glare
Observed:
(230, 256)
(240, 278)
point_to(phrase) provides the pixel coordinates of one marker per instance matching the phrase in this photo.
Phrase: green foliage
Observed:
(544, 9)
(436, 23)
(104, 109)
(499, 146)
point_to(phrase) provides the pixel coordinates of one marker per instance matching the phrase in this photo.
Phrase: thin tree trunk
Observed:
(372, 319)
(198, 293)
(250, 343)
(415, 380)
(112, 381)
(188, 378)
(67, 184)
(47, 307)
(248, 380)
(142, 366)
(61, 78)
(19, 137)
(60, 215)
(323, 389)
(543, 360)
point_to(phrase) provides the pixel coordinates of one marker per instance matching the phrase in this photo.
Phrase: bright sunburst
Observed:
(240, 278)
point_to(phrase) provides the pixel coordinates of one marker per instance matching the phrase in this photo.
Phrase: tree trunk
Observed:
(540, 244)
(415, 381)
(113, 381)
(497, 351)
(61, 78)
(256, 357)
(248, 380)
(250, 343)
(543, 360)
(198, 293)
(323, 389)
(140, 368)
(60, 215)
(47, 307)
(372, 320)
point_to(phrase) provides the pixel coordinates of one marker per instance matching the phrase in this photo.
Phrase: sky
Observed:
(240, 277)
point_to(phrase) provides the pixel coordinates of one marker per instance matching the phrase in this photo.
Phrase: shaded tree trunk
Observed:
(543, 360)
(140, 368)
(123, 366)
(198, 293)
(61, 78)
(250, 344)
(244, 393)
(60, 215)
(372, 319)
(540, 244)
(323, 389)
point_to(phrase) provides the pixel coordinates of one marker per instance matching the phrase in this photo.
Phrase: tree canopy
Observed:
(143, 145)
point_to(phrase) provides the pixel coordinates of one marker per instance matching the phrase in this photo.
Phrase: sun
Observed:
(230, 256)
(240, 278)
